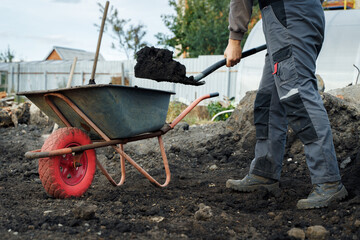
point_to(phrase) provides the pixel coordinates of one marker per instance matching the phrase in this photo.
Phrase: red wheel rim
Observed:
(70, 173)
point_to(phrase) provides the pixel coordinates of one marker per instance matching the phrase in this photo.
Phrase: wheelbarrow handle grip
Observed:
(222, 62)
(215, 94)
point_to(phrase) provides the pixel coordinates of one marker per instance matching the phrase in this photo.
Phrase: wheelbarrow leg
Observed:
(143, 172)
(122, 165)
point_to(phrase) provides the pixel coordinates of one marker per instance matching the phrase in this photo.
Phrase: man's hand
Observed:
(233, 52)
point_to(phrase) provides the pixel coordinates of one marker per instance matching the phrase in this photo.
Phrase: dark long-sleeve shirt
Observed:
(239, 17)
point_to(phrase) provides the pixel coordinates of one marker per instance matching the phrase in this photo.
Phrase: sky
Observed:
(32, 27)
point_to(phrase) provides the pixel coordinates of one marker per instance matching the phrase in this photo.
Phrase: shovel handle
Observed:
(222, 62)
(92, 78)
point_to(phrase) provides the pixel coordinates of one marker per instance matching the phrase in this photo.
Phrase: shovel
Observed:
(92, 78)
(221, 63)
(158, 64)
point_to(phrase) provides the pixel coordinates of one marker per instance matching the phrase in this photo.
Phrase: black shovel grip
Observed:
(253, 51)
(214, 94)
(222, 62)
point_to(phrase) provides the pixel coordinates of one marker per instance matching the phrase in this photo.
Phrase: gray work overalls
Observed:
(294, 32)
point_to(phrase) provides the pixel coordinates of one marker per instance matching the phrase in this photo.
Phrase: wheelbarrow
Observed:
(95, 116)
(100, 115)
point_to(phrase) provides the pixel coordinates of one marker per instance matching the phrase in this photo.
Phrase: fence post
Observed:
(12, 80)
(18, 79)
(82, 78)
(122, 74)
(130, 65)
(71, 73)
(228, 80)
(18, 82)
(174, 90)
(7, 80)
(45, 80)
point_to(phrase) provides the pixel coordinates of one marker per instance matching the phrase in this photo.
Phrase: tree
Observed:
(7, 55)
(200, 27)
(128, 38)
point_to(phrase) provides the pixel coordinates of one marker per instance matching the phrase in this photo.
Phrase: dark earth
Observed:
(201, 159)
(158, 64)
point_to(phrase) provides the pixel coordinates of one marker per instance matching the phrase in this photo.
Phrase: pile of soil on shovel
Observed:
(158, 64)
(196, 204)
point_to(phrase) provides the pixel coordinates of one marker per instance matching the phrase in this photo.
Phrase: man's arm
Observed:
(239, 17)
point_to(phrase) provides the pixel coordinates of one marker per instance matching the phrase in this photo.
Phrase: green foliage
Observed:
(175, 108)
(216, 107)
(7, 55)
(200, 27)
(127, 38)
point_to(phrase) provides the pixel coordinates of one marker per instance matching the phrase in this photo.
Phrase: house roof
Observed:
(70, 53)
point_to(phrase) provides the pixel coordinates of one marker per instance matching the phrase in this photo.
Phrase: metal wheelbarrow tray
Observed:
(119, 111)
(112, 115)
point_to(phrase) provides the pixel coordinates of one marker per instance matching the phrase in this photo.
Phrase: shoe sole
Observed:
(269, 187)
(340, 195)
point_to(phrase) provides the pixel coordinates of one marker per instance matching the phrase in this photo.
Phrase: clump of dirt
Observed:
(201, 159)
(158, 64)
(12, 115)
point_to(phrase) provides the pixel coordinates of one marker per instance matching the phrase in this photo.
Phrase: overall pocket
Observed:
(284, 65)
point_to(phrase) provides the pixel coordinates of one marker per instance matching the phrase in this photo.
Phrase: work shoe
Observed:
(251, 183)
(322, 194)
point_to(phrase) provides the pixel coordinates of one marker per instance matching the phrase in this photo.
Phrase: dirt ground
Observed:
(201, 159)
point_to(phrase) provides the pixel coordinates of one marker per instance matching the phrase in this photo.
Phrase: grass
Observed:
(201, 115)
(175, 108)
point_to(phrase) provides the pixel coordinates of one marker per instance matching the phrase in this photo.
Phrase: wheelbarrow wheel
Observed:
(64, 176)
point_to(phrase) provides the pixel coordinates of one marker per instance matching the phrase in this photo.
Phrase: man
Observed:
(294, 32)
